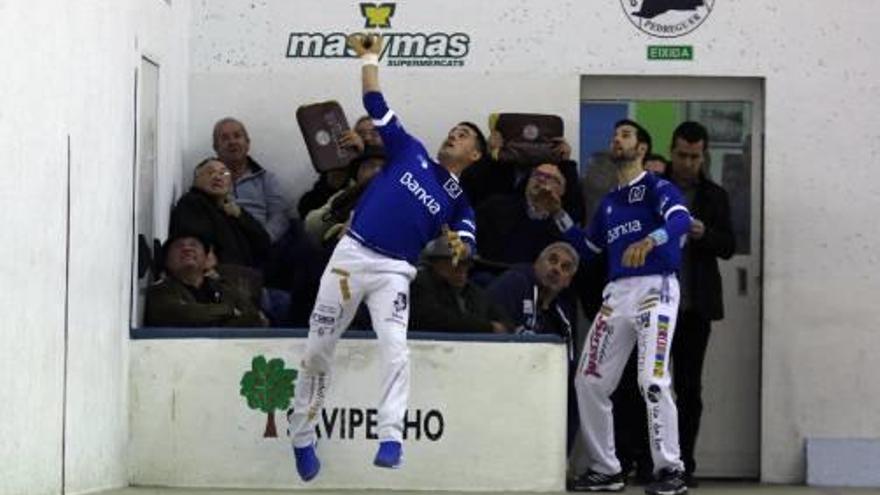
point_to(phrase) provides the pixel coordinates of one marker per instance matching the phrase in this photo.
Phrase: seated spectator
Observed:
(325, 224)
(255, 189)
(656, 163)
(367, 132)
(444, 300)
(331, 181)
(210, 211)
(186, 296)
(515, 229)
(493, 176)
(531, 293)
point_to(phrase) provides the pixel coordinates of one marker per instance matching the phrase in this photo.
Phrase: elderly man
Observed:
(255, 189)
(209, 210)
(186, 296)
(530, 292)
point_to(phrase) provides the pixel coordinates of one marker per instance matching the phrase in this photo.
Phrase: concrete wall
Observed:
(482, 416)
(822, 93)
(68, 76)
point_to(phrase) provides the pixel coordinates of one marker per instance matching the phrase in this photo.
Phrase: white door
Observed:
(732, 109)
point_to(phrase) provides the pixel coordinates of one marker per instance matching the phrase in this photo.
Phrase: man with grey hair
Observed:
(530, 292)
(256, 189)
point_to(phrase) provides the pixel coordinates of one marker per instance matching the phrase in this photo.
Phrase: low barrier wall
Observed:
(485, 412)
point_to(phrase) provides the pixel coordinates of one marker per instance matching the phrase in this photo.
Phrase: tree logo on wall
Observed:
(667, 18)
(268, 387)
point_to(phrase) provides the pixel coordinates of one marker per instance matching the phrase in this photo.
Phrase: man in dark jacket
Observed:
(515, 228)
(186, 296)
(711, 237)
(444, 300)
(209, 211)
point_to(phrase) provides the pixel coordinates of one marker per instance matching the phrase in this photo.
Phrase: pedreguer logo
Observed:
(667, 18)
(413, 49)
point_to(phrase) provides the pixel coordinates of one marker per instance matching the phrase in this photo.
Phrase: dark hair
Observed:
(204, 240)
(656, 157)
(369, 153)
(692, 132)
(642, 136)
(205, 162)
(482, 147)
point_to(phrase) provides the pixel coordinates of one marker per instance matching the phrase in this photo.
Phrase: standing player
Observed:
(409, 203)
(641, 225)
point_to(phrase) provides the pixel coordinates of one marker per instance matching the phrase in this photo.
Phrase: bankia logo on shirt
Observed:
(434, 48)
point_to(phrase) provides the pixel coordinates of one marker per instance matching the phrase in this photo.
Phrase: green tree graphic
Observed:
(268, 387)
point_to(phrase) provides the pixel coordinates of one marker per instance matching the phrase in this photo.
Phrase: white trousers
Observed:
(636, 311)
(354, 274)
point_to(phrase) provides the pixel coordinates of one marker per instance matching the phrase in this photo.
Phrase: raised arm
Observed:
(368, 47)
(394, 137)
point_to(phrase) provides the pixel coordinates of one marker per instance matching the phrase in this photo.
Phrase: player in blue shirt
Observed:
(641, 225)
(412, 201)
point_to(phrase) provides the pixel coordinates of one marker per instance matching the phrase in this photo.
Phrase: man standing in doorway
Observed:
(410, 202)
(710, 237)
(640, 225)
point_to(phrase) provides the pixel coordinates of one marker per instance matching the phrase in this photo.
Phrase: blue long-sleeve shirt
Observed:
(409, 201)
(648, 204)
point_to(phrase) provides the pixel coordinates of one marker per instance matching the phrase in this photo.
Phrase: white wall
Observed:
(822, 93)
(68, 73)
(492, 417)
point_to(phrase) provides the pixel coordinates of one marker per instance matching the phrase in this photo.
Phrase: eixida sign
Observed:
(413, 49)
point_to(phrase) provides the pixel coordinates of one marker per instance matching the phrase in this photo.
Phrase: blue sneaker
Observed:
(307, 463)
(390, 455)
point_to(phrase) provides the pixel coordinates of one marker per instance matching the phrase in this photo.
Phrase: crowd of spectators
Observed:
(234, 255)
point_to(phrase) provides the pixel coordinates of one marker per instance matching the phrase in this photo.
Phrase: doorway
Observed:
(732, 109)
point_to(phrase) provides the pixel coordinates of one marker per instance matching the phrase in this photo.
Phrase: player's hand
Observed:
(698, 229)
(459, 249)
(363, 44)
(637, 252)
(231, 208)
(561, 148)
(351, 139)
(547, 200)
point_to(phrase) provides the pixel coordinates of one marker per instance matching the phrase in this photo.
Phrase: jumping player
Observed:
(641, 225)
(413, 200)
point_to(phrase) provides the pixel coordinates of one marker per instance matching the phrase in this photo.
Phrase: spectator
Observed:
(530, 293)
(444, 300)
(656, 163)
(325, 224)
(331, 181)
(367, 131)
(255, 189)
(710, 237)
(209, 210)
(502, 176)
(186, 296)
(514, 229)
